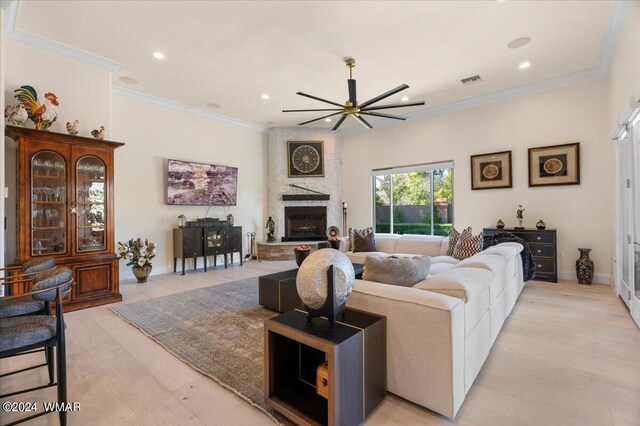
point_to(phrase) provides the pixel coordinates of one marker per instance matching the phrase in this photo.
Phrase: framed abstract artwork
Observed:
(491, 171)
(306, 158)
(554, 165)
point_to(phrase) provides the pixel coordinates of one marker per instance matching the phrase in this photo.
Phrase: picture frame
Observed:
(305, 158)
(491, 171)
(554, 165)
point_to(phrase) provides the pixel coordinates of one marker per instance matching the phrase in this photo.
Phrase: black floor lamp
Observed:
(344, 218)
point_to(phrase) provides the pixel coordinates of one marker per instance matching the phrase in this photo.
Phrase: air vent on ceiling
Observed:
(471, 80)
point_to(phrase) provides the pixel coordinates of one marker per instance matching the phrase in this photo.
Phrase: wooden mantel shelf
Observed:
(305, 197)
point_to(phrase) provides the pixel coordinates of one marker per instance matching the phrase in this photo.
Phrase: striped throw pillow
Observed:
(363, 232)
(468, 245)
(454, 237)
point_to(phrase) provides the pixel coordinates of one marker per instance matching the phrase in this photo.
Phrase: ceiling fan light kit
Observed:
(352, 108)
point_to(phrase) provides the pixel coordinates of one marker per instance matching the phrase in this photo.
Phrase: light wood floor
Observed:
(567, 355)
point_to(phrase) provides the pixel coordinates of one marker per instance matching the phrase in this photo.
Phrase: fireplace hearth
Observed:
(307, 223)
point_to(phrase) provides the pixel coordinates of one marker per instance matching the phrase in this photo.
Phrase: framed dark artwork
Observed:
(306, 158)
(491, 171)
(554, 165)
(198, 184)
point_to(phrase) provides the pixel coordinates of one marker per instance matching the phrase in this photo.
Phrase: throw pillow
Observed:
(361, 231)
(402, 271)
(454, 237)
(468, 245)
(363, 243)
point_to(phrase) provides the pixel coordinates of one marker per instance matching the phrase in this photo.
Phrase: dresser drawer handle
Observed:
(539, 251)
(539, 238)
(539, 265)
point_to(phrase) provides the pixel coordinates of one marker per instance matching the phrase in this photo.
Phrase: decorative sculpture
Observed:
(271, 226)
(324, 283)
(519, 217)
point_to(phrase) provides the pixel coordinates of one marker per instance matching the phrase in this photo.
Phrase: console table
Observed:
(354, 348)
(543, 246)
(213, 239)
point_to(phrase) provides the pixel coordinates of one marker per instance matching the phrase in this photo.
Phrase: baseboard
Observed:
(597, 278)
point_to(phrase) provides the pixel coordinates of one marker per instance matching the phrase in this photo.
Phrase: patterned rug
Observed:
(217, 330)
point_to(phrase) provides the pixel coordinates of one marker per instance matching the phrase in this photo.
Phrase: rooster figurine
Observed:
(43, 115)
(17, 115)
(98, 134)
(72, 128)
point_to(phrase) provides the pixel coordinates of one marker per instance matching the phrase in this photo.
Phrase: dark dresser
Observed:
(218, 238)
(543, 246)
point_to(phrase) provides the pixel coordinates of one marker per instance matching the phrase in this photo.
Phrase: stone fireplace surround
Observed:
(279, 180)
(307, 223)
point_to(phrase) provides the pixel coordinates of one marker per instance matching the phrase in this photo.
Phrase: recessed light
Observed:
(213, 106)
(271, 123)
(128, 80)
(524, 65)
(265, 96)
(158, 55)
(404, 99)
(328, 120)
(519, 42)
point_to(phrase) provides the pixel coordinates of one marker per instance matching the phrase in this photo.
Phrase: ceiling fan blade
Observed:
(339, 122)
(316, 119)
(408, 104)
(320, 99)
(362, 121)
(312, 110)
(384, 95)
(377, 114)
(352, 92)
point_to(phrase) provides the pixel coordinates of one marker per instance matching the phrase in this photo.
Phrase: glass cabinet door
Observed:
(48, 204)
(90, 201)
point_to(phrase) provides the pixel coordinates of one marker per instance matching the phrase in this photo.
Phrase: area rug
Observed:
(217, 330)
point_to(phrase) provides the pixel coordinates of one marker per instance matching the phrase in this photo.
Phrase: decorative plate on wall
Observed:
(554, 165)
(306, 158)
(489, 171)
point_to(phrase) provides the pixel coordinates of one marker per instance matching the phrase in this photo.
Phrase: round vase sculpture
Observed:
(584, 267)
(500, 224)
(541, 225)
(324, 283)
(141, 272)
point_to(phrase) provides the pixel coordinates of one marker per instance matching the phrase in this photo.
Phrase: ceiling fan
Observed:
(352, 108)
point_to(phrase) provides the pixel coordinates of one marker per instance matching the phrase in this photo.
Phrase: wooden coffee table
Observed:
(278, 291)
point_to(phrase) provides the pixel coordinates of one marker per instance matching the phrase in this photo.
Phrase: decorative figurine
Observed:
(500, 224)
(541, 225)
(16, 115)
(519, 217)
(43, 115)
(230, 219)
(98, 134)
(72, 128)
(271, 226)
(182, 221)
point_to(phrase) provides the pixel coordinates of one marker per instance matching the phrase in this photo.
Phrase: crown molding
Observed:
(176, 106)
(60, 49)
(616, 25)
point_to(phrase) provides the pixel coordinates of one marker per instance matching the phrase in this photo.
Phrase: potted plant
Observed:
(138, 254)
(334, 243)
(301, 253)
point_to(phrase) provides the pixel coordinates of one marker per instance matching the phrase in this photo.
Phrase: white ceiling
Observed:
(229, 53)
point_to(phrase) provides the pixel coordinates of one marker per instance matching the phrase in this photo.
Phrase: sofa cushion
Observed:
(361, 256)
(386, 243)
(403, 271)
(436, 268)
(363, 242)
(462, 283)
(444, 246)
(360, 231)
(445, 259)
(419, 244)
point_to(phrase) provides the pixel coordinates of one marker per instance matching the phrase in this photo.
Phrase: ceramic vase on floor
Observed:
(584, 267)
(141, 272)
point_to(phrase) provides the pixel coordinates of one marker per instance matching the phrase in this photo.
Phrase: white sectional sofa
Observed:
(440, 331)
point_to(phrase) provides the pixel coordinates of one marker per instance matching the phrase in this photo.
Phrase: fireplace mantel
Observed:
(305, 197)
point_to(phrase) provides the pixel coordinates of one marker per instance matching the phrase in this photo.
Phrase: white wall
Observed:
(582, 214)
(154, 134)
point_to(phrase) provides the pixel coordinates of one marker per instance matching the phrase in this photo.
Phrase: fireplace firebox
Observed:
(307, 223)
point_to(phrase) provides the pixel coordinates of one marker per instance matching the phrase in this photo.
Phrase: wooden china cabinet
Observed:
(65, 209)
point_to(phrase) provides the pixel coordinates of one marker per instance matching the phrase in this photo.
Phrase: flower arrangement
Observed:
(137, 252)
(302, 248)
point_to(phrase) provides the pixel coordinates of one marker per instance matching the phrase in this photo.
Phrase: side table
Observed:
(355, 350)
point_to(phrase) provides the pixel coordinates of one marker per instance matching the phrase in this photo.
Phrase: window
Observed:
(414, 200)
